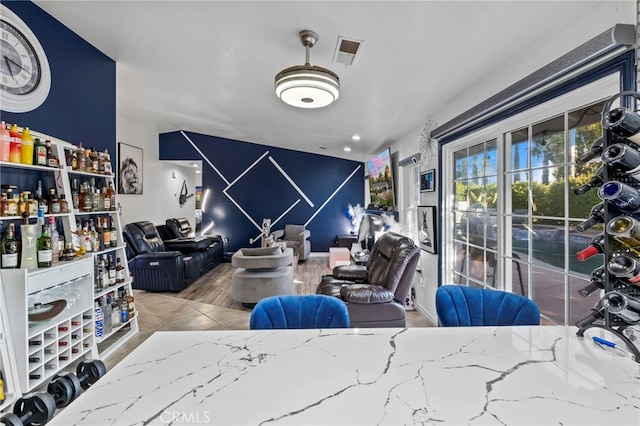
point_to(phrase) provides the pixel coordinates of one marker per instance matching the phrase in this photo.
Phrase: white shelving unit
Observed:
(71, 334)
(7, 357)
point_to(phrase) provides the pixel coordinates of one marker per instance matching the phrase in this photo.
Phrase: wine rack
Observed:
(617, 310)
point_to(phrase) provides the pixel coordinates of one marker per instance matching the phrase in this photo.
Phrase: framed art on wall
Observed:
(427, 228)
(428, 181)
(129, 169)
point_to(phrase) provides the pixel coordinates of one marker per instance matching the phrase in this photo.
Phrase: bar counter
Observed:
(486, 375)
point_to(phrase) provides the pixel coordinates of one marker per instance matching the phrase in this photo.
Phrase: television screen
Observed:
(381, 180)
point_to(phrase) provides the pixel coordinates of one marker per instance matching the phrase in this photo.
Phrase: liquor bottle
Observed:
(131, 306)
(86, 237)
(22, 204)
(43, 245)
(15, 144)
(621, 195)
(42, 203)
(39, 153)
(124, 311)
(106, 234)
(597, 282)
(113, 239)
(26, 147)
(32, 205)
(12, 205)
(52, 159)
(107, 162)
(86, 198)
(623, 158)
(99, 314)
(64, 204)
(5, 143)
(626, 230)
(595, 216)
(88, 163)
(625, 266)
(106, 309)
(82, 162)
(54, 202)
(106, 199)
(622, 305)
(111, 267)
(120, 272)
(95, 165)
(75, 195)
(623, 122)
(99, 197)
(55, 240)
(594, 152)
(95, 240)
(595, 182)
(9, 248)
(4, 206)
(111, 193)
(116, 315)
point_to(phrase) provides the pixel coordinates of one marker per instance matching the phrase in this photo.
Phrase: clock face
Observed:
(25, 77)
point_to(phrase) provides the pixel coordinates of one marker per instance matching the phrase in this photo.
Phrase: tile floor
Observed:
(161, 311)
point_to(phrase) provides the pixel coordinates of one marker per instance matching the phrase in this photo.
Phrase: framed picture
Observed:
(129, 169)
(427, 231)
(428, 181)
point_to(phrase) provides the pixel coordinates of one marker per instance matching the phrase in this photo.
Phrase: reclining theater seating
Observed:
(160, 267)
(375, 295)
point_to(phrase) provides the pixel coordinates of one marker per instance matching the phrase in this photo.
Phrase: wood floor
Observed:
(214, 287)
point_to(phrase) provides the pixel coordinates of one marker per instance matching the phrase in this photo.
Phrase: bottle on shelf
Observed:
(124, 311)
(595, 216)
(64, 204)
(9, 248)
(623, 122)
(116, 315)
(622, 196)
(113, 239)
(120, 272)
(111, 267)
(131, 306)
(55, 240)
(106, 310)
(54, 202)
(4, 205)
(39, 153)
(75, 195)
(594, 152)
(5, 143)
(42, 203)
(99, 315)
(107, 162)
(95, 238)
(106, 234)
(595, 182)
(82, 162)
(95, 164)
(111, 195)
(52, 159)
(15, 144)
(12, 205)
(45, 252)
(26, 147)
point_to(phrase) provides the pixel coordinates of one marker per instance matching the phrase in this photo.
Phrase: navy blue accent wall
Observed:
(263, 191)
(81, 105)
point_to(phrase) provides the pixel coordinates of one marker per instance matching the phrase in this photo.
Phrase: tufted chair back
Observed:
(392, 264)
(299, 311)
(462, 306)
(143, 237)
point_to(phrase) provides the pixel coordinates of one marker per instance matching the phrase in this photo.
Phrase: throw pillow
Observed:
(261, 251)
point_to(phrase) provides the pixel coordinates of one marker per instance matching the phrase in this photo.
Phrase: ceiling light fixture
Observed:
(307, 86)
(355, 137)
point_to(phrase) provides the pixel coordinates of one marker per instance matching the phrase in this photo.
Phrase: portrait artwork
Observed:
(129, 169)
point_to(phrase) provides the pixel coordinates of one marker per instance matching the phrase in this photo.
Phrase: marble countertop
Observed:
(486, 375)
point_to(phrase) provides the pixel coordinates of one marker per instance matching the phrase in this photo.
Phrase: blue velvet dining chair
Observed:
(299, 311)
(462, 306)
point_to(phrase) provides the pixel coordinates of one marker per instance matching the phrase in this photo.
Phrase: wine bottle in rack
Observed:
(595, 216)
(622, 305)
(623, 122)
(624, 158)
(596, 283)
(595, 182)
(625, 266)
(596, 246)
(596, 313)
(594, 152)
(626, 230)
(622, 196)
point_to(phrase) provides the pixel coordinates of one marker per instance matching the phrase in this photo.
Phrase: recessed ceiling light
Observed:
(355, 137)
(197, 171)
(346, 148)
(194, 164)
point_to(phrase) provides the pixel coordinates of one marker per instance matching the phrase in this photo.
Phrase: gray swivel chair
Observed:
(295, 237)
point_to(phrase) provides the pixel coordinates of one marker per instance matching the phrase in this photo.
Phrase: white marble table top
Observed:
(502, 375)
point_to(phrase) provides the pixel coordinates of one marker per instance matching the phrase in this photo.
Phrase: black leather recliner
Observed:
(153, 267)
(180, 236)
(375, 294)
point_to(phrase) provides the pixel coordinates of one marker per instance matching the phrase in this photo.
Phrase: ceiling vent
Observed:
(347, 50)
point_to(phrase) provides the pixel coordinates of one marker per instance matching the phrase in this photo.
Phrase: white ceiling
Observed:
(209, 66)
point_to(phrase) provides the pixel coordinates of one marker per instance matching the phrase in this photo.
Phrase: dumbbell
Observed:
(64, 388)
(32, 410)
(88, 372)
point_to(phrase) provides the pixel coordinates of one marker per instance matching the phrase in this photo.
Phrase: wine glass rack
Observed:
(619, 307)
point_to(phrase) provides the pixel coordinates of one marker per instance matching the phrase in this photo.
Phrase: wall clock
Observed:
(24, 68)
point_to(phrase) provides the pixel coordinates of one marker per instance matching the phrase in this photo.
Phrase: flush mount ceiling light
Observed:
(307, 86)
